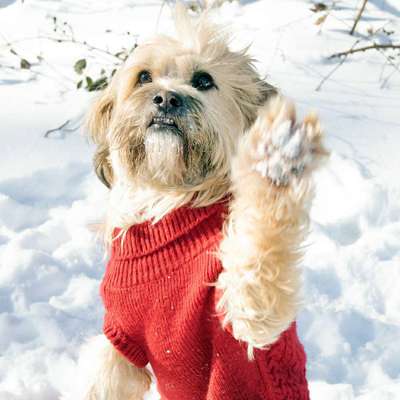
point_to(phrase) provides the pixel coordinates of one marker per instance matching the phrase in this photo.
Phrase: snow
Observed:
(51, 261)
(5, 3)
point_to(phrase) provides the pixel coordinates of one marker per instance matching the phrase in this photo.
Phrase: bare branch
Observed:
(374, 46)
(395, 68)
(18, 69)
(66, 40)
(339, 64)
(318, 88)
(360, 12)
(59, 128)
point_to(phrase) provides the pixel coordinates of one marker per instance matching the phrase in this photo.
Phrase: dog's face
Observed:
(172, 115)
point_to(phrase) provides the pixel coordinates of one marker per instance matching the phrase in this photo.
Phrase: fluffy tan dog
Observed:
(189, 122)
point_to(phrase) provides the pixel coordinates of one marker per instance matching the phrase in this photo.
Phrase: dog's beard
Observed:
(163, 158)
(165, 154)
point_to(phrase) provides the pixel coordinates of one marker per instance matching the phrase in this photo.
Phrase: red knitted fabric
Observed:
(160, 308)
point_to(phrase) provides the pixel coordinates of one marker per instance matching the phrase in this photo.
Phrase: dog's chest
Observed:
(174, 317)
(160, 302)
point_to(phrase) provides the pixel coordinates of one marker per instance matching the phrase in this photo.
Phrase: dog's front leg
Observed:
(114, 377)
(267, 223)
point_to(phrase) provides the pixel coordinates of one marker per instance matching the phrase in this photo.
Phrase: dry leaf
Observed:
(321, 19)
(319, 7)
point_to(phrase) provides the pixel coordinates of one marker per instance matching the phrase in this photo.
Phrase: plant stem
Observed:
(360, 12)
(374, 46)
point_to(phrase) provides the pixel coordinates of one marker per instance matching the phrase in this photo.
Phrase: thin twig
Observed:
(395, 67)
(10, 67)
(159, 15)
(378, 47)
(389, 61)
(64, 40)
(18, 69)
(318, 88)
(59, 128)
(360, 12)
(386, 80)
(374, 46)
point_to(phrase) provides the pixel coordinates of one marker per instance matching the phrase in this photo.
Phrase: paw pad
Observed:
(284, 149)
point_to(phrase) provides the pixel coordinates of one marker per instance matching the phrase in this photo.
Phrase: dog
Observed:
(210, 178)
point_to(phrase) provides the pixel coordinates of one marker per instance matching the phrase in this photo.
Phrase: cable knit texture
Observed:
(161, 308)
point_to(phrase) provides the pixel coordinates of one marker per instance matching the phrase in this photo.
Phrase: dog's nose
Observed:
(168, 100)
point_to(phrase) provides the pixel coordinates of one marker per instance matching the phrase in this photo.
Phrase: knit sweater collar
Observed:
(188, 222)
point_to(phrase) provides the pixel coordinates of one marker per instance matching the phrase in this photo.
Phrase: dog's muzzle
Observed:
(170, 106)
(169, 102)
(165, 123)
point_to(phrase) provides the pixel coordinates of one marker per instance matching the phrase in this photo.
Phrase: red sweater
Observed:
(160, 308)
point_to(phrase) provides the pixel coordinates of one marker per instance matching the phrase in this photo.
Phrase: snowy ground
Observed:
(51, 264)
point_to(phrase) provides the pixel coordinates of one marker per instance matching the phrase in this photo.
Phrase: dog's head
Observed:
(172, 115)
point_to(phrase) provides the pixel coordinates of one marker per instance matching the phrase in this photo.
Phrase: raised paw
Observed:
(283, 150)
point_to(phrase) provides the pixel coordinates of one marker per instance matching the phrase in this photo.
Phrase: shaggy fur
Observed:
(235, 142)
(151, 175)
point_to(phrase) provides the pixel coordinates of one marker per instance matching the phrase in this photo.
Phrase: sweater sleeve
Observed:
(128, 347)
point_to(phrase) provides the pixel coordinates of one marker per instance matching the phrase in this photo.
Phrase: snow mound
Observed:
(351, 266)
(51, 265)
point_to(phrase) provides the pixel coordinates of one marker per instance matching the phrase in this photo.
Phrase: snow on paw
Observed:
(282, 149)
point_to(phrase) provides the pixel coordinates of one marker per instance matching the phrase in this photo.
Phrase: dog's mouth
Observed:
(163, 123)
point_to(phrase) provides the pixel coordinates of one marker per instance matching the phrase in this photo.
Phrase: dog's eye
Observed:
(202, 81)
(144, 77)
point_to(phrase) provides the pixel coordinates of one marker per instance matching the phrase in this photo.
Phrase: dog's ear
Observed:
(102, 165)
(97, 124)
(99, 116)
(252, 96)
(267, 91)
